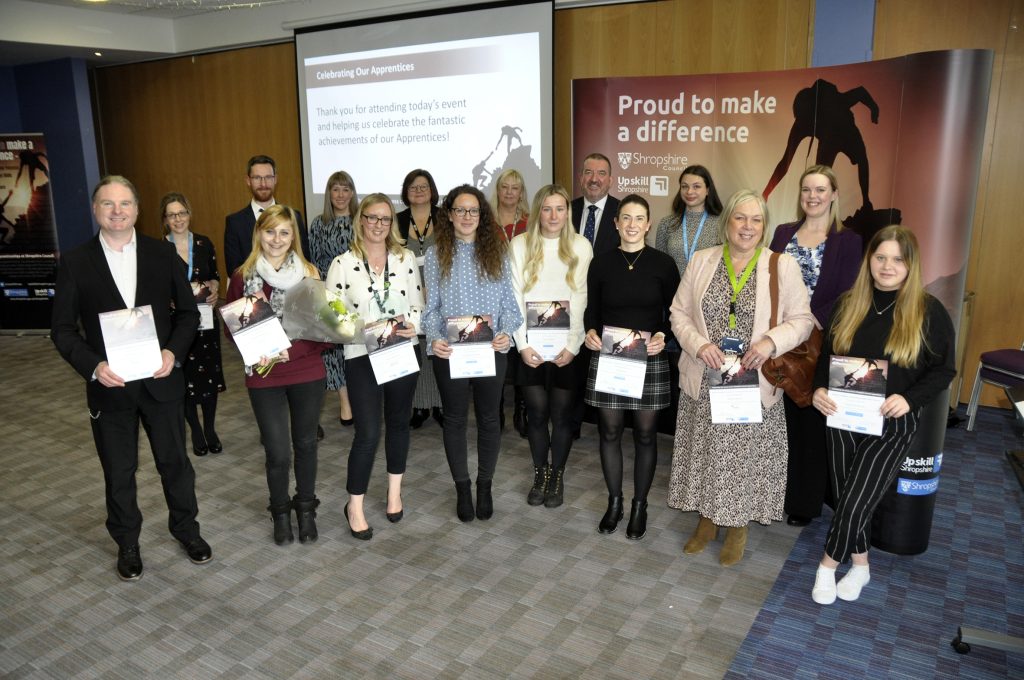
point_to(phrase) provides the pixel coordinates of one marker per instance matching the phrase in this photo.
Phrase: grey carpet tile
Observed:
(531, 593)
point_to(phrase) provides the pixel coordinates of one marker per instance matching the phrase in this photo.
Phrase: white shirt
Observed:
(597, 215)
(257, 208)
(123, 267)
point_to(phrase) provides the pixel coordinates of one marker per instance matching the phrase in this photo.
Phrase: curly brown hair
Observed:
(490, 247)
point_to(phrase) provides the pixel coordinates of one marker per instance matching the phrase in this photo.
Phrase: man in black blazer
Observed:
(595, 181)
(117, 269)
(261, 178)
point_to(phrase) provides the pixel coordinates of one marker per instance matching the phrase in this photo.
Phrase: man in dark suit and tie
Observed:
(117, 269)
(261, 178)
(593, 213)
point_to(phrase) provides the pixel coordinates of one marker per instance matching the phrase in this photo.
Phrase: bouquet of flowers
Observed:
(312, 312)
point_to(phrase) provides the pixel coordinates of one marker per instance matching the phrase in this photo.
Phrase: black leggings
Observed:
(209, 406)
(543, 405)
(645, 443)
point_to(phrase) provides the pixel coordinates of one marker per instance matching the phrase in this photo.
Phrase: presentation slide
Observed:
(465, 107)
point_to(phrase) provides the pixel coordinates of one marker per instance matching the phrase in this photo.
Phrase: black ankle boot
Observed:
(464, 502)
(539, 490)
(555, 488)
(612, 516)
(484, 502)
(637, 526)
(305, 514)
(282, 515)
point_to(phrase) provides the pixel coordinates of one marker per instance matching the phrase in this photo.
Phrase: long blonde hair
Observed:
(270, 219)
(535, 240)
(393, 242)
(344, 179)
(907, 337)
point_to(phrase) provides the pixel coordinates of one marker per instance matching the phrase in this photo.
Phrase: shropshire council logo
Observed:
(624, 158)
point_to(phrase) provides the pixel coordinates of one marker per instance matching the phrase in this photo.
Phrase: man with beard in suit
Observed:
(118, 269)
(593, 213)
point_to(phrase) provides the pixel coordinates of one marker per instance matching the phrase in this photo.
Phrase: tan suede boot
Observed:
(735, 542)
(705, 532)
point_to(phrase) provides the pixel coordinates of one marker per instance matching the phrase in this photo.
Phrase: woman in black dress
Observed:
(204, 376)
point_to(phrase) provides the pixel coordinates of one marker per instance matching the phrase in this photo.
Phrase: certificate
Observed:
(735, 393)
(131, 342)
(622, 362)
(857, 385)
(470, 338)
(391, 355)
(205, 316)
(547, 327)
(254, 327)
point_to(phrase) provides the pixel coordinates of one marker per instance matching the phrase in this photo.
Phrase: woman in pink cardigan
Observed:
(732, 473)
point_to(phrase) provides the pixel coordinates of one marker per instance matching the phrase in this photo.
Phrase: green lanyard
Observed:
(737, 286)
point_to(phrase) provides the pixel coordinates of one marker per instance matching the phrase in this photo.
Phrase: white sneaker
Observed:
(824, 591)
(849, 586)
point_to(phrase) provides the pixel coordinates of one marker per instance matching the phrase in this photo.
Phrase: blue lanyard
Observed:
(688, 252)
(170, 237)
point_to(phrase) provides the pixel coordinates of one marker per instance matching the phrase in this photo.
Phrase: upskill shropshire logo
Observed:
(652, 185)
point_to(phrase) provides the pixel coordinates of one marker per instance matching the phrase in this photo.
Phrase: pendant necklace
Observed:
(628, 263)
(884, 309)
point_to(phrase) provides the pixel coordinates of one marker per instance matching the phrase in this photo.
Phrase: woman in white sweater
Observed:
(549, 278)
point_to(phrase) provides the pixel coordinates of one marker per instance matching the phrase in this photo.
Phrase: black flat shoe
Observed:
(612, 516)
(346, 422)
(198, 550)
(199, 450)
(419, 416)
(319, 433)
(129, 563)
(214, 444)
(798, 521)
(364, 535)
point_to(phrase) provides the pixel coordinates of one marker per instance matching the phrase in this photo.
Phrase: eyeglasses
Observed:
(372, 220)
(462, 212)
(262, 179)
(418, 188)
(177, 216)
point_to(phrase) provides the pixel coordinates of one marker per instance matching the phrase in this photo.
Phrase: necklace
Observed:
(630, 264)
(882, 311)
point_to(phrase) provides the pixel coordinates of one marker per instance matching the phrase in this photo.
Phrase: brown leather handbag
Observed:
(794, 370)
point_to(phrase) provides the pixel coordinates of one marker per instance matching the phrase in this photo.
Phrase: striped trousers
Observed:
(863, 468)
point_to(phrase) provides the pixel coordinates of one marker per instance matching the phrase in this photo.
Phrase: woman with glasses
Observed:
(467, 274)
(329, 236)
(416, 227)
(204, 375)
(380, 279)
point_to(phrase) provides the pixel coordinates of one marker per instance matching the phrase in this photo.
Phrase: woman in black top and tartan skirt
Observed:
(630, 287)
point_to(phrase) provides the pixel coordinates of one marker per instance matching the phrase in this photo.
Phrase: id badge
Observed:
(731, 345)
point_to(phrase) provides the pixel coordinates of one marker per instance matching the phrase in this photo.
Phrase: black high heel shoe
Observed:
(364, 535)
(213, 442)
(393, 517)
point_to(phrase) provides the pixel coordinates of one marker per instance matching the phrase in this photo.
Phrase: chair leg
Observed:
(972, 406)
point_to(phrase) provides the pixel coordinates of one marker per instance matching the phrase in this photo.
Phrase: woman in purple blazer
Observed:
(829, 258)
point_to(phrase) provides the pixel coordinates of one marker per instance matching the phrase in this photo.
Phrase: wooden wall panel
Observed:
(190, 124)
(672, 37)
(907, 26)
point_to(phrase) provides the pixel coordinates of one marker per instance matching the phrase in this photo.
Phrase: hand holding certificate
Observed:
(547, 327)
(735, 392)
(255, 328)
(131, 343)
(469, 338)
(857, 387)
(622, 362)
(391, 355)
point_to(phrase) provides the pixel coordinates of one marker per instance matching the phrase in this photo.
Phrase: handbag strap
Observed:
(773, 287)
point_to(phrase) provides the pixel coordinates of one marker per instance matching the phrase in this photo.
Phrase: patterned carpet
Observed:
(972, 574)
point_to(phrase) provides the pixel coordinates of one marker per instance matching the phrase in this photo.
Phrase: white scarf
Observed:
(280, 280)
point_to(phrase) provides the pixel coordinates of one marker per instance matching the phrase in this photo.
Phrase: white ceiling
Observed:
(165, 9)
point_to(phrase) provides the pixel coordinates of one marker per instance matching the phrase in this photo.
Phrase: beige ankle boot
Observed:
(705, 532)
(735, 542)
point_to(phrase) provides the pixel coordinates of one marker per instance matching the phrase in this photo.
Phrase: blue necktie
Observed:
(591, 226)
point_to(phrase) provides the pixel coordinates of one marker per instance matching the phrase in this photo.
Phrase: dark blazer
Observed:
(607, 236)
(839, 266)
(85, 288)
(238, 228)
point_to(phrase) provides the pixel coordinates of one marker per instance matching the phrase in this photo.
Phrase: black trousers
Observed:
(863, 469)
(116, 434)
(366, 397)
(807, 465)
(455, 395)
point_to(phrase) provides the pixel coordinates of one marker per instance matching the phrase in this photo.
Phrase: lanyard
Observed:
(373, 284)
(688, 252)
(737, 286)
(170, 237)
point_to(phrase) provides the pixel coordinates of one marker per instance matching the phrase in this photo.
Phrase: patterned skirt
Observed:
(656, 396)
